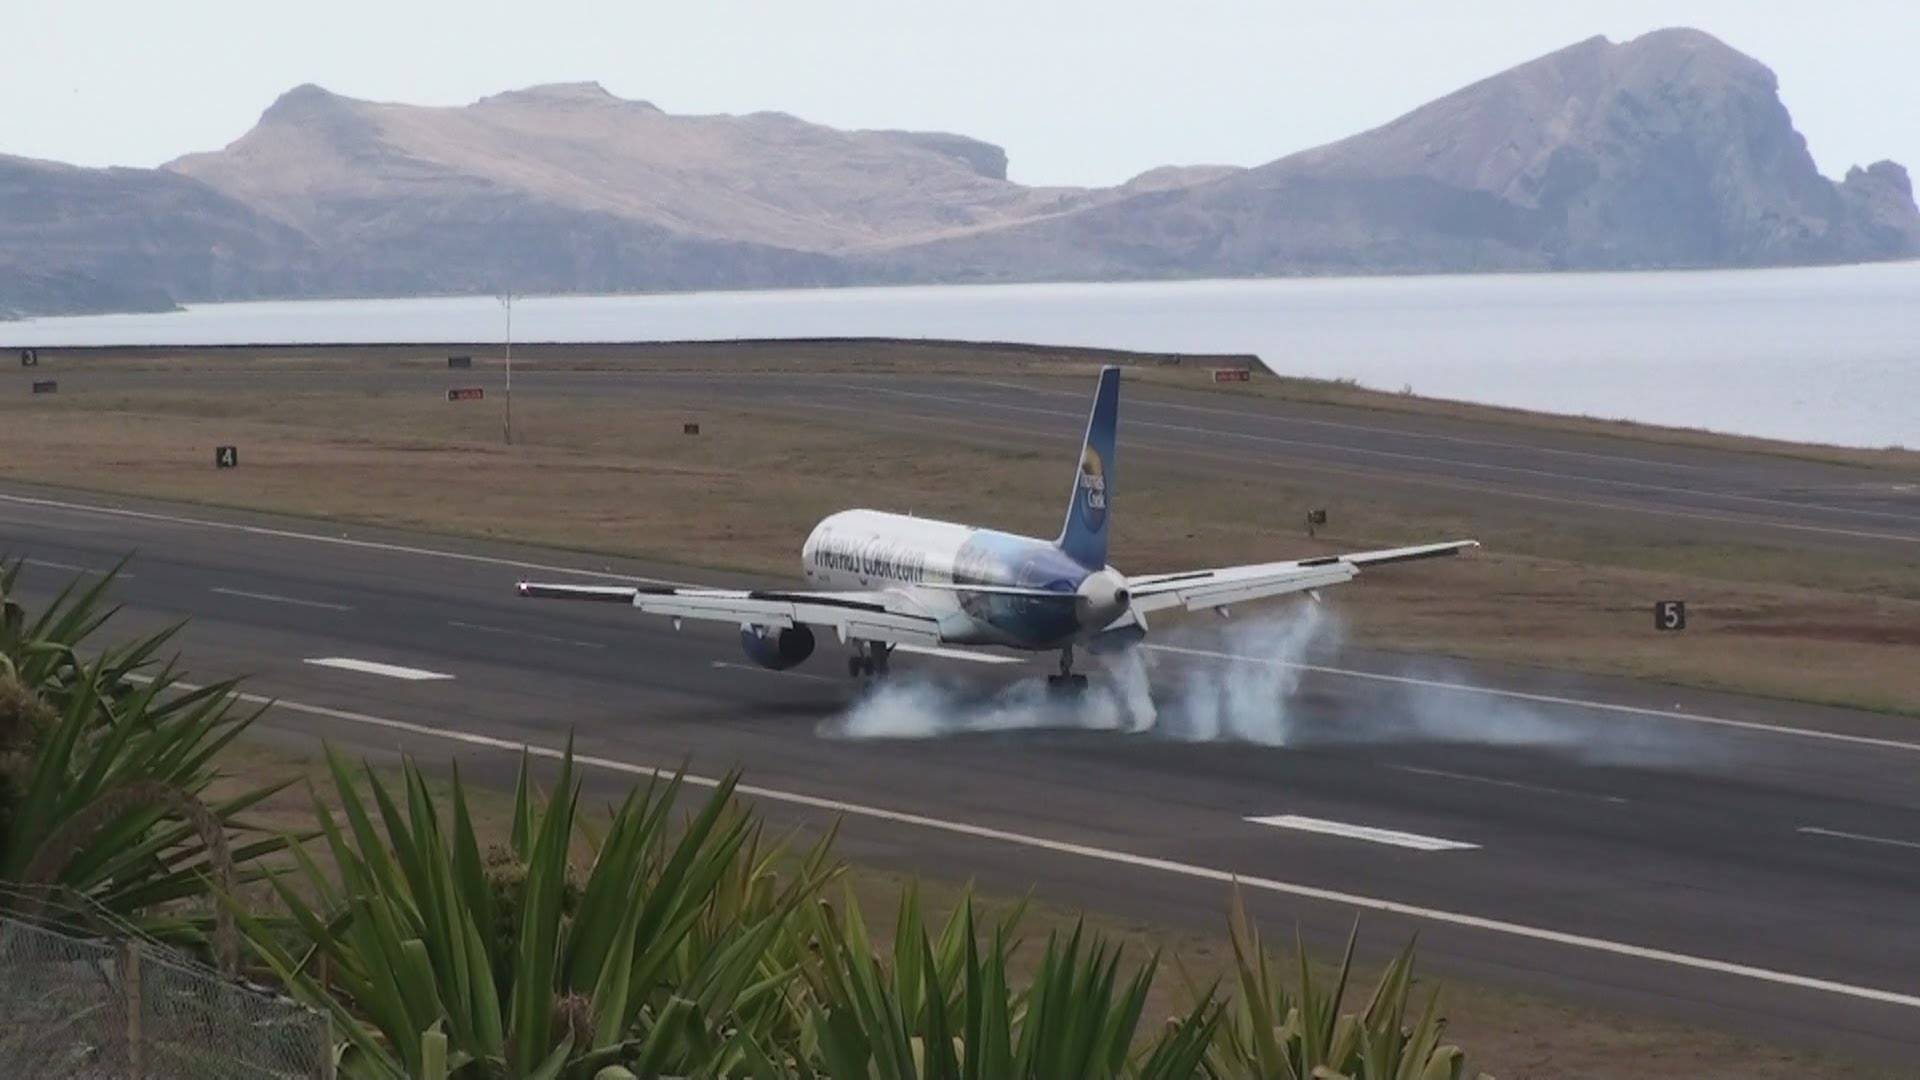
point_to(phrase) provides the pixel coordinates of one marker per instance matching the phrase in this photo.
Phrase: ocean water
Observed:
(1828, 354)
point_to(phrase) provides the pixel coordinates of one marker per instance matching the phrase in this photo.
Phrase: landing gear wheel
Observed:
(1071, 686)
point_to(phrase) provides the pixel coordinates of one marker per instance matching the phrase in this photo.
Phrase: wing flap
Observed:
(885, 616)
(1236, 585)
(1198, 590)
(606, 594)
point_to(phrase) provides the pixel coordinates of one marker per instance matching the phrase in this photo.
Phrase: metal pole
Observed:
(508, 300)
(136, 1037)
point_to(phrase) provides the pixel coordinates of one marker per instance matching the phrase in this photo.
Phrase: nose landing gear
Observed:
(1066, 684)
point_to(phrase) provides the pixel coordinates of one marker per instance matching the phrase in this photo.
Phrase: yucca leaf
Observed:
(530, 1032)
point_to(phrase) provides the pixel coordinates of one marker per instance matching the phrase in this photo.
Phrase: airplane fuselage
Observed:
(933, 562)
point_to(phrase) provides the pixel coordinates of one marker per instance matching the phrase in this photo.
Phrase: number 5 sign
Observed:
(1670, 615)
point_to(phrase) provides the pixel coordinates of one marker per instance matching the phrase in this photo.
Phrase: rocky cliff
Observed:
(1670, 150)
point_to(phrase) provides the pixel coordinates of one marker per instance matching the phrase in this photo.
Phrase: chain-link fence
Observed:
(126, 1008)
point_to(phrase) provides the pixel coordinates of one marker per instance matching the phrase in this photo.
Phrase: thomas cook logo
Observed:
(1093, 490)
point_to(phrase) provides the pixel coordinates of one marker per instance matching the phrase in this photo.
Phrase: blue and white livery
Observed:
(877, 581)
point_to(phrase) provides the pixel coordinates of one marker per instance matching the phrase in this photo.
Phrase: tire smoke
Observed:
(1249, 694)
(1239, 681)
(1438, 702)
(1200, 702)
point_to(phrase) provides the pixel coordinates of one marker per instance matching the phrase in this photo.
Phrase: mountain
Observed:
(76, 240)
(1670, 150)
(323, 162)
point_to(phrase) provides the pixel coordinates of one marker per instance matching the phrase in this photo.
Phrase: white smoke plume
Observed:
(1237, 681)
(1230, 682)
(1240, 681)
(920, 708)
(1438, 702)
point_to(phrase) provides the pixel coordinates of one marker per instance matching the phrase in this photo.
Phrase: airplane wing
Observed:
(888, 616)
(1199, 589)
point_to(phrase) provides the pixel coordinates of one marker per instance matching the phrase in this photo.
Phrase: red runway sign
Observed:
(466, 393)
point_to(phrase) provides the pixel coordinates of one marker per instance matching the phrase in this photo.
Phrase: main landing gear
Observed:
(869, 660)
(1067, 684)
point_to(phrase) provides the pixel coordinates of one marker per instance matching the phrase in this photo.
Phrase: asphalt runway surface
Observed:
(1744, 864)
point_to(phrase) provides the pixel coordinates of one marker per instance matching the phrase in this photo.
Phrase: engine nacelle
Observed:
(777, 649)
(1102, 598)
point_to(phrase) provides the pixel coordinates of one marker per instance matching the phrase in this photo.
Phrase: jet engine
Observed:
(1102, 598)
(777, 649)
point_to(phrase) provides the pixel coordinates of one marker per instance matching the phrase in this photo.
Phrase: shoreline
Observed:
(1750, 353)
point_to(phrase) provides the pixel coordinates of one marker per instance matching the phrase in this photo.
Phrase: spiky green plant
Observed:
(107, 762)
(665, 954)
(1275, 1032)
(943, 1008)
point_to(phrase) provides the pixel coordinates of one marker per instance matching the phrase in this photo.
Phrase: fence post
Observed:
(136, 1043)
(328, 1069)
(323, 971)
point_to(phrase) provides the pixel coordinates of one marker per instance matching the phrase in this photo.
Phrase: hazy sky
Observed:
(1078, 92)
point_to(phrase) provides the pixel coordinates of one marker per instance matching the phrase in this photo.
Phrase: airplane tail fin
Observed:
(1090, 508)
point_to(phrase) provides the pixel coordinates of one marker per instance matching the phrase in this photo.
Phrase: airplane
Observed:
(878, 581)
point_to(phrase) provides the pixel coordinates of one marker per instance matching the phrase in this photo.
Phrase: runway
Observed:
(1704, 858)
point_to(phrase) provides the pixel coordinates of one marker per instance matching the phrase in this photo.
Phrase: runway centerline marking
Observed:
(273, 598)
(504, 631)
(374, 667)
(1495, 781)
(48, 564)
(342, 541)
(728, 665)
(1838, 834)
(1123, 858)
(1551, 699)
(1295, 421)
(1401, 455)
(1344, 830)
(1318, 465)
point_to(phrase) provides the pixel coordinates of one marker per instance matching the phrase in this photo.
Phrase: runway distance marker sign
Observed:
(1670, 615)
(226, 457)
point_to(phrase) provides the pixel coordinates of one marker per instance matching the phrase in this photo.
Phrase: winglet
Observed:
(1090, 506)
